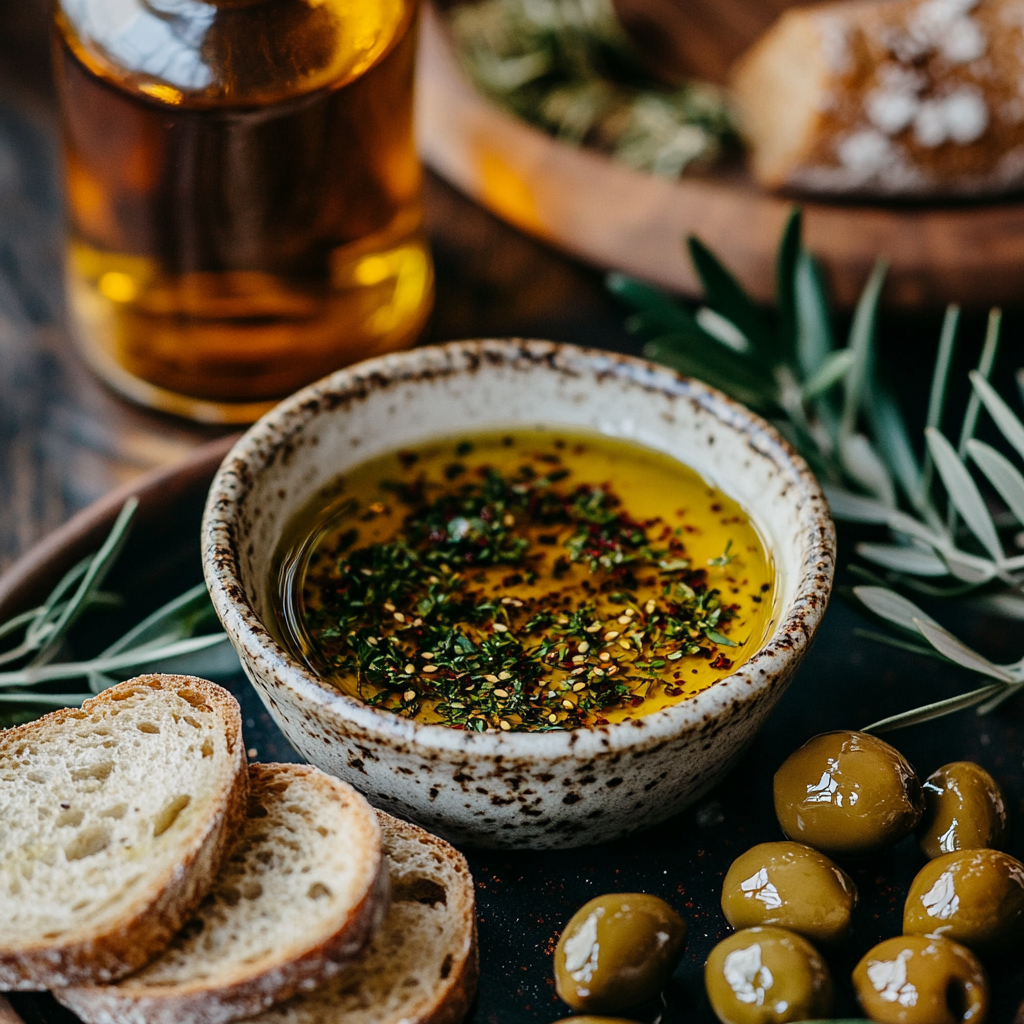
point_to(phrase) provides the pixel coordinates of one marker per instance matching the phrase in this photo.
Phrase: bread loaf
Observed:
(299, 896)
(915, 98)
(114, 821)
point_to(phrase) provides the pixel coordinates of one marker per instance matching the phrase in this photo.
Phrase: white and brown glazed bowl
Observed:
(516, 789)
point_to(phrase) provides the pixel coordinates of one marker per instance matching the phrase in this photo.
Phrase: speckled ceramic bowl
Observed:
(514, 789)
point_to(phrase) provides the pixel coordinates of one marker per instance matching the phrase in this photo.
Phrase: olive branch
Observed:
(830, 403)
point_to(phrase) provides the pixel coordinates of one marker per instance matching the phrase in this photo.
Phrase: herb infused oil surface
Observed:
(524, 581)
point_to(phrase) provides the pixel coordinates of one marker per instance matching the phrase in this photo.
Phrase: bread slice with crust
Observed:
(114, 820)
(422, 966)
(298, 897)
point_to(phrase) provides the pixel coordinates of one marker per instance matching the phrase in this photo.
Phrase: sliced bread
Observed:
(114, 821)
(422, 966)
(299, 896)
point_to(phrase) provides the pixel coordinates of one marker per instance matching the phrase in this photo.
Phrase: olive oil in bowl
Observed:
(524, 580)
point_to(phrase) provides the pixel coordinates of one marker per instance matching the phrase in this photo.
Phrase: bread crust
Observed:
(243, 993)
(167, 902)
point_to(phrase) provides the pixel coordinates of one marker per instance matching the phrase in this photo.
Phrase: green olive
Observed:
(914, 979)
(847, 794)
(975, 897)
(964, 810)
(791, 886)
(588, 1019)
(617, 952)
(767, 976)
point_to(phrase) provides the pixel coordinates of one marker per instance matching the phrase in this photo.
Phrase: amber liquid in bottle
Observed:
(243, 194)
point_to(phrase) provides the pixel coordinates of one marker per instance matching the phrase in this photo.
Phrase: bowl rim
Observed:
(277, 431)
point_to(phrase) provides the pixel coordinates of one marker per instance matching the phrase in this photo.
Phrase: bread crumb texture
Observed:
(96, 803)
(306, 856)
(421, 965)
(900, 97)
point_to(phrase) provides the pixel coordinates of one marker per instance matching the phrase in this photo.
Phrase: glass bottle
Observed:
(243, 191)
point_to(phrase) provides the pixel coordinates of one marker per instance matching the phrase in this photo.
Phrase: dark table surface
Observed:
(65, 440)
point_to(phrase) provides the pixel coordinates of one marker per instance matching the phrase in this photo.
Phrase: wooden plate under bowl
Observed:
(616, 218)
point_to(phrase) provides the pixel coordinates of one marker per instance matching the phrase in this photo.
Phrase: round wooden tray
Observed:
(616, 218)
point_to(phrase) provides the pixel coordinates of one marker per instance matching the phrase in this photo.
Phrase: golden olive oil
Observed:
(243, 193)
(528, 579)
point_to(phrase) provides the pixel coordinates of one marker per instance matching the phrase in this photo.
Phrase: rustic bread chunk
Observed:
(422, 966)
(299, 896)
(888, 97)
(114, 820)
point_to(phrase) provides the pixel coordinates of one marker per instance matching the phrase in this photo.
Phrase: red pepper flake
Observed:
(721, 662)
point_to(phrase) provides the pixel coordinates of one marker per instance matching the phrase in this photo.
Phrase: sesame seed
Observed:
(389, 606)
(458, 707)
(429, 668)
(501, 693)
(613, 670)
(568, 705)
(399, 617)
(504, 675)
(623, 620)
(624, 644)
(491, 679)
(584, 647)
(562, 620)
(409, 669)
(504, 725)
(605, 656)
(649, 607)
(433, 579)
(552, 718)
(509, 519)
(578, 686)
(578, 659)
(611, 634)
(372, 641)
(500, 627)
(676, 656)
(409, 695)
(507, 600)
(578, 671)
(629, 612)
(428, 655)
(366, 572)
(593, 627)
(598, 671)
(417, 622)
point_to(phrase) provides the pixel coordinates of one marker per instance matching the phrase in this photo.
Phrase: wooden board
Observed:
(616, 218)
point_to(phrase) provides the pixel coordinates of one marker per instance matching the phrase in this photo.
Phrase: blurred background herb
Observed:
(567, 67)
(954, 509)
(38, 669)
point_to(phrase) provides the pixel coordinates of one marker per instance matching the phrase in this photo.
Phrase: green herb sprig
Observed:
(949, 540)
(176, 638)
(568, 67)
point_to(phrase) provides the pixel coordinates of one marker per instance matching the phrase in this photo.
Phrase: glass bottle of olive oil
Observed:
(243, 193)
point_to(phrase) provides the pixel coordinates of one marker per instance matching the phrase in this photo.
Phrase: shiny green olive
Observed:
(588, 1019)
(791, 886)
(914, 979)
(975, 897)
(767, 976)
(847, 794)
(964, 810)
(617, 952)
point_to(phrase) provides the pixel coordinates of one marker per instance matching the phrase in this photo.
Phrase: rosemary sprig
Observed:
(568, 67)
(832, 405)
(175, 638)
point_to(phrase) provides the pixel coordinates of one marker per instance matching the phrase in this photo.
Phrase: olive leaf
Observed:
(950, 539)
